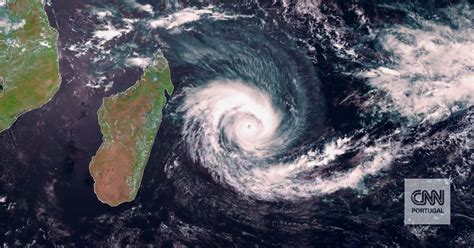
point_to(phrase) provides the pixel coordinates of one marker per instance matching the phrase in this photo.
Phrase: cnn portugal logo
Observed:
(427, 202)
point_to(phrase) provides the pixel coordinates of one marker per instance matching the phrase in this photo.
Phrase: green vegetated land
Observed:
(129, 122)
(29, 70)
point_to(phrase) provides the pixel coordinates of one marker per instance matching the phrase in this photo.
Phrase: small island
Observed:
(29, 69)
(129, 122)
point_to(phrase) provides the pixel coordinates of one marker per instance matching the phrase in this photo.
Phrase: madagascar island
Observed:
(129, 122)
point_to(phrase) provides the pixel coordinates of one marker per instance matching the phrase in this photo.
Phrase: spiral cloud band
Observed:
(234, 130)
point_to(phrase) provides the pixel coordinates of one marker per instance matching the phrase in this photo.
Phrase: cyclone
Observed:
(254, 118)
(237, 132)
(240, 124)
(252, 112)
(234, 129)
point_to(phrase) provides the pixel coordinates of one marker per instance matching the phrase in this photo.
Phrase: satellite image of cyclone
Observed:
(251, 123)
